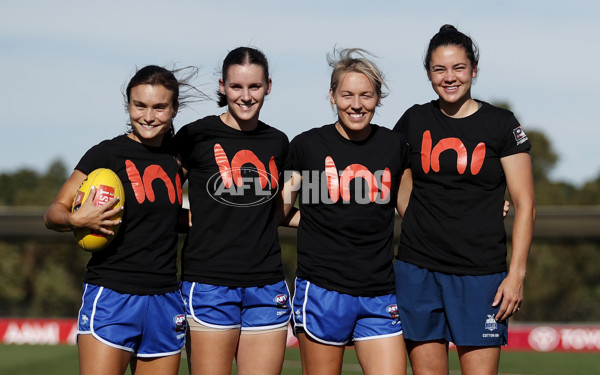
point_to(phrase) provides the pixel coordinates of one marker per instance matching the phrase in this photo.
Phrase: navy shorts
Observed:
(145, 325)
(335, 318)
(248, 308)
(456, 308)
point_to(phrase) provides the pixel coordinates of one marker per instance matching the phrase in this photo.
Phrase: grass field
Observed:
(62, 359)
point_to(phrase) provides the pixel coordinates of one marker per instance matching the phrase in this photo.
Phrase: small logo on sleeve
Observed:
(520, 135)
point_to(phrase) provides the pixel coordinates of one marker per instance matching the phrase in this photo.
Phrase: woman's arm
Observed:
(404, 191)
(519, 180)
(59, 217)
(287, 214)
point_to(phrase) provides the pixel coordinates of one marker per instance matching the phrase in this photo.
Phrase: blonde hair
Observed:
(355, 60)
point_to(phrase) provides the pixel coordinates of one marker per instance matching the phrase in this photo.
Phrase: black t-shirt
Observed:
(347, 246)
(142, 258)
(454, 222)
(233, 177)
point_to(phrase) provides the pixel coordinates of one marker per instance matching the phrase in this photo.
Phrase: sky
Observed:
(64, 65)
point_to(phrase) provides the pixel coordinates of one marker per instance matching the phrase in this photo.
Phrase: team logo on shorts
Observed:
(393, 311)
(179, 323)
(84, 320)
(490, 323)
(281, 301)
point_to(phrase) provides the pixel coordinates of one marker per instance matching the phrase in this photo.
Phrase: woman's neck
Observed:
(355, 136)
(459, 109)
(229, 120)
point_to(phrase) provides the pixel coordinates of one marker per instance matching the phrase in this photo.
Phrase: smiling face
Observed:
(151, 113)
(245, 87)
(355, 99)
(451, 74)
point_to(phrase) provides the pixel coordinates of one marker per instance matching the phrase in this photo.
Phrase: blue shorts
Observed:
(456, 308)
(145, 325)
(248, 308)
(334, 318)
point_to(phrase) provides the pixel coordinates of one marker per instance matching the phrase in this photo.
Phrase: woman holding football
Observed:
(132, 311)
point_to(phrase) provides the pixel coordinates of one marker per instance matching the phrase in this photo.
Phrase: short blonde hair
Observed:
(355, 60)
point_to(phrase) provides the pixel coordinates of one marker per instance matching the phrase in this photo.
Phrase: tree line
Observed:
(27, 187)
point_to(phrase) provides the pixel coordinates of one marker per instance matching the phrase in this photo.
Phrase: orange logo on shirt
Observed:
(231, 173)
(244, 181)
(142, 186)
(340, 185)
(430, 157)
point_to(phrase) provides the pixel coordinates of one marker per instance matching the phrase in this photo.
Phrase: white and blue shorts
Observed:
(247, 308)
(146, 325)
(335, 318)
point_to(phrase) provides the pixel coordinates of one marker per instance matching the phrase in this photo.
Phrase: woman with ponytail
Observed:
(131, 311)
(452, 280)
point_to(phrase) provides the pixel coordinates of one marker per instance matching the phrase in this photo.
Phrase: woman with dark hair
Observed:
(451, 278)
(131, 311)
(232, 277)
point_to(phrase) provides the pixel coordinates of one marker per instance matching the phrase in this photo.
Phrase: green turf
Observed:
(38, 359)
(62, 359)
(561, 363)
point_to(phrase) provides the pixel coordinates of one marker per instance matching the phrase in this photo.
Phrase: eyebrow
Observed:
(360, 93)
(444, 66)
(140, 102)
(241, 84)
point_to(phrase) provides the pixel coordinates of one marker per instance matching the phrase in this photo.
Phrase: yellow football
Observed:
(108, 186)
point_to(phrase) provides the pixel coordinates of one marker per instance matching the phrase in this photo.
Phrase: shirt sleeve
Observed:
(96, 157)
(295, 155)
(183, 145)
(404, 152)
(515, 138)
(402, 127)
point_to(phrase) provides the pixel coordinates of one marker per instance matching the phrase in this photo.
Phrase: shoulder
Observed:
(199, 125)
(383, 134)
(507, 127)
(117, 141)
(500, 119)
(101, 154)
(423, 108)
(491, 110)
(268, 129)
(394, 135)
(317, 132)
(196, 131)
(382, 131)
(416, 113)
(306, 136)
(310, 137)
